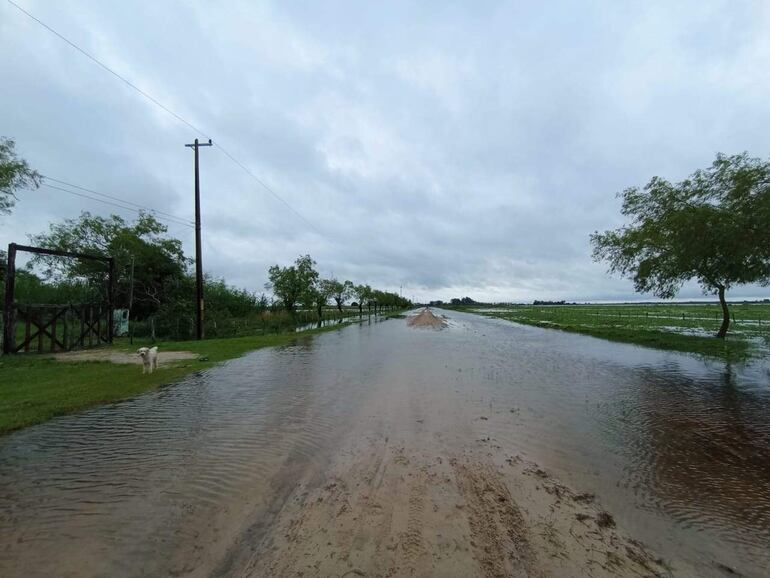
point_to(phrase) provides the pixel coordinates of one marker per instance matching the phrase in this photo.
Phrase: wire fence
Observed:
(182, 327)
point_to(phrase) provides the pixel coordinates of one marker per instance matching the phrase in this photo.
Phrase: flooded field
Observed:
(750, 322)
(375, 450)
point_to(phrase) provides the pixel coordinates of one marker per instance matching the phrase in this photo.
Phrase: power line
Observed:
(139, 211)
(268, 189)
(124, 207)
(145, 207)
(107, 68)
(157, 103)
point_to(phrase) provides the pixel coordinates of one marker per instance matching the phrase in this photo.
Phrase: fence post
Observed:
(65, 336)
(99, 325)
(82, 338)
(27, 329)
(53, 330)
(40, 322)
(9, 326)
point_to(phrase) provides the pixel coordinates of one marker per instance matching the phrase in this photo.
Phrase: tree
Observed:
(712, 227)
(362, 293)
(339, 291)
(293, 284)
(379, 298)
(160, 267)
(319, 294)
(15, 174)
(225, 299)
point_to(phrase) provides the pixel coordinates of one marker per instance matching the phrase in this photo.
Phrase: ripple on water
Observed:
(677, 448)
(116, 476)
(648, 431)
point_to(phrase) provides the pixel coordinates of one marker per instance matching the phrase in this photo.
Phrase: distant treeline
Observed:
(454, 302)
(458, 302)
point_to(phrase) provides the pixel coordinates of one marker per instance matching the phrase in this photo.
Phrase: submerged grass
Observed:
(687, 328)
(34, 388)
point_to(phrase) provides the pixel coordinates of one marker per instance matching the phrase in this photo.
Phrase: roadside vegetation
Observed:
(686, 327)
(155, 282)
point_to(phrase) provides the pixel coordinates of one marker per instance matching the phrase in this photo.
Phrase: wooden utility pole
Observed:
(198, 262)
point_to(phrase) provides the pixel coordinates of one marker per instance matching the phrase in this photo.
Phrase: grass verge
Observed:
(731, 349)
(34, 389)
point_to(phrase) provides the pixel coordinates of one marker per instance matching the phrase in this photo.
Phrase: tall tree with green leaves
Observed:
(713, 227)
(362, 293)
(15, 175)
(339, 291)
(292, 284)
(319, 294)
(160, 266)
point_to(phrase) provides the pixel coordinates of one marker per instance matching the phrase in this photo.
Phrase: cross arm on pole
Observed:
(200, 144)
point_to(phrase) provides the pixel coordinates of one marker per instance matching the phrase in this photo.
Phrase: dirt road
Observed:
(389, 450)
(426, 318)
(414, 491)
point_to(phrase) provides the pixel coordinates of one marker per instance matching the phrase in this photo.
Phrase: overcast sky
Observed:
(452, 148)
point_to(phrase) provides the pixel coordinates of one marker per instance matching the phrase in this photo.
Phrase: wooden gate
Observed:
(52, 328)
(55, 327)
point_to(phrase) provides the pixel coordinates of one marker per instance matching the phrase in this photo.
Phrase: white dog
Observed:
(149, 357)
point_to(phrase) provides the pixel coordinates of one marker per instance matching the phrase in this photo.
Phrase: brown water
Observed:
(677, 448)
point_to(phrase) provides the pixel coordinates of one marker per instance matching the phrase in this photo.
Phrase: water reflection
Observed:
(327, 322)
(659, 436)
(700, 447)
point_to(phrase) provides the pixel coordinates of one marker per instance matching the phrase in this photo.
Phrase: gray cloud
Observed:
(447, 147)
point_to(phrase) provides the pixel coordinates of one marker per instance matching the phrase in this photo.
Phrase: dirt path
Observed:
(164, 357)
(413, 490)
(426, 318)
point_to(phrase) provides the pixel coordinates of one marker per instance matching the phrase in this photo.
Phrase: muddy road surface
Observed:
(482, 448)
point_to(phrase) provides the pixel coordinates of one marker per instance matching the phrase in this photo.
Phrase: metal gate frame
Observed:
(9, 322)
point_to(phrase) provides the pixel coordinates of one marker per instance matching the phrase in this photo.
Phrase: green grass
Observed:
(34, 388)
(686, 328)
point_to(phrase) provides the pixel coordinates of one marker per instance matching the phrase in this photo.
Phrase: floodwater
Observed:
(185, 479)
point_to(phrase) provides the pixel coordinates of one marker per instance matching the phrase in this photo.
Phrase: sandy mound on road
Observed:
(164, 357)
(426, 318)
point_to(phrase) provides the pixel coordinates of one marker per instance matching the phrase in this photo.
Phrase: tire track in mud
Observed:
(499, 534)
(294, 478)
(412, 541)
